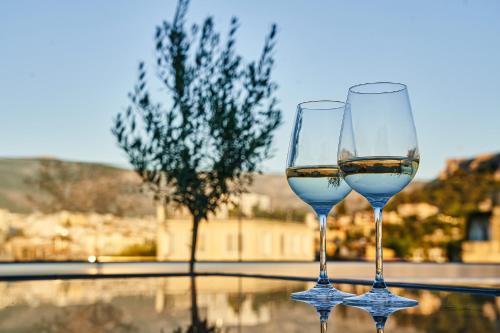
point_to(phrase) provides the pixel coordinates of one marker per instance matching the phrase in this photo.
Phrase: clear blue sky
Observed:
(66, 67)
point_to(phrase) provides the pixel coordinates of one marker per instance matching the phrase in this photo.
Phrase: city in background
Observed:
(66, 69)
(58, 210)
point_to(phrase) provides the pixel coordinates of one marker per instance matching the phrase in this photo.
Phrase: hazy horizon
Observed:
(124, 165)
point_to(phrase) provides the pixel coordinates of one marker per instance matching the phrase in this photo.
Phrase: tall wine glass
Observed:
(314, 176)
(378, 155)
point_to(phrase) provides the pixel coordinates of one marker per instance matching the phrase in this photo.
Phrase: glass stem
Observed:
(323, 274)
(379, 258)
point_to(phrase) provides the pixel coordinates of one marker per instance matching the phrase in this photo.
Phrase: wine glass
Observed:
(378, 155)
(314, 176)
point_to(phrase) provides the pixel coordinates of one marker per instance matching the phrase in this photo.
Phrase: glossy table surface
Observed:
(224, 304)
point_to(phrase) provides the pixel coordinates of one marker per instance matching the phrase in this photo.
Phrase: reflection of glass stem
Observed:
(324, 324)
(323, 318)
(380, 313)
(380, 322)
(323, 308)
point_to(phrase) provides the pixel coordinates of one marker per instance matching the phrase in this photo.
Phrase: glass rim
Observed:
(322, 104)
(397, 87)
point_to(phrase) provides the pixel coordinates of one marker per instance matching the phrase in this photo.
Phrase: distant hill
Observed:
(17, 174)
(15, 189)
(484, 163)
(463, 187)
(13, 186)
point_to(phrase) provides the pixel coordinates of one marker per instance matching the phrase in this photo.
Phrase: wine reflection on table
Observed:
(379, 312)
(323, 307)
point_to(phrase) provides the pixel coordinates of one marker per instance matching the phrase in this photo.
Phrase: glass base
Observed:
(380, 296)
(323, 292)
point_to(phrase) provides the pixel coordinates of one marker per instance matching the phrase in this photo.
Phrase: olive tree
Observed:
(215, 126)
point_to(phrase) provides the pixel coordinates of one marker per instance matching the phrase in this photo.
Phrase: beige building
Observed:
(483, 238)
(219, 239)
(70, 236)
(421, 210)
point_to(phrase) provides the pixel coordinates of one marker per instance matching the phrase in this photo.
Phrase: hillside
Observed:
(18, 191)
(15, 187)
(462, 187)
(16, 175)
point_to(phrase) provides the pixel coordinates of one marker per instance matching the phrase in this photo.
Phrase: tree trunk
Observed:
(196, 222)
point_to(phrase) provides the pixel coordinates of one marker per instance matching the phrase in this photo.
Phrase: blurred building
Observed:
(70, 236)
(421, 210)
(237, 239)
(483, 237)
(234, 234)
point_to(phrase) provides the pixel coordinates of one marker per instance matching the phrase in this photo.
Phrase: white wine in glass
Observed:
(314, 176)
(318, 186)
(379, 177)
